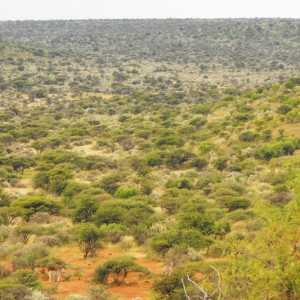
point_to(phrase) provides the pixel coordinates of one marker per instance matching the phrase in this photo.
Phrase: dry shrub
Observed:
(41, 218)
(4, 271)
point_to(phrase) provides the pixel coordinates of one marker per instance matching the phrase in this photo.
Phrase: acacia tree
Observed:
(120, 267)
(88, 236)
(85, 210)
(25, 232)
(11, 214)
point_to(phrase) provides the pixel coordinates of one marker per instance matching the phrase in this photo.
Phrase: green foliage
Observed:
(25, 232)
(221, 164)
(108, 214)
(206, 147)
(85, 210)
(162, 242)
(10, 215)
(125, 192)
(25, 277)
(154, 160)
(34, 204)
(18, 162)
(88, 235)
(13, 291)
(199, 163)
(167, 135)
(120, 267)
(110, 183)
(284, 109)
(198, 122)
(72, 189)
(97, 293)
(237, 203)
(51, 263)
(285, 147)
(27, 257)
(248, 136)
(197, 221)
(113, 232)
(181, 183)
(170, 287)
(177, 158)
(55, 179)
(169, 141)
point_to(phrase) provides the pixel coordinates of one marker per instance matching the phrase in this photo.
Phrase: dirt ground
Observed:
(79, 273)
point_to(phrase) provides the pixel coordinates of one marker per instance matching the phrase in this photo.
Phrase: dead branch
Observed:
(204, 294)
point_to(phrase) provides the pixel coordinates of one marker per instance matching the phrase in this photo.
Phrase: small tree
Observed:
(85, 210)
(248, 136)
(27, 256)
(120, 267)
(10, 214)
(25, 232)
(199, 163)
(221, 164)
(88, 236)
(25, 277)
(20, 163)
(39, 146)
(51, 263)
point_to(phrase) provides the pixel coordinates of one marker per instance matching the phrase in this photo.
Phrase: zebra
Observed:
(58, 274)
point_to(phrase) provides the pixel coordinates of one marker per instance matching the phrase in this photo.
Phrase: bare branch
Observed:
(204, 294)
(187, 296)
(219, 282)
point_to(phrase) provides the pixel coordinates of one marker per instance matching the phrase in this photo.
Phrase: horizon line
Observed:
(154, 18)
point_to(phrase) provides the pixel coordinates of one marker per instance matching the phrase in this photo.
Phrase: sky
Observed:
(127, 9)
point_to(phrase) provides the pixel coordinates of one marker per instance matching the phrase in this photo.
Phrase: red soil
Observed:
(81, 271)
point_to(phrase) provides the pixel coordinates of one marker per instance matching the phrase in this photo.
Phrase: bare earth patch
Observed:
(79, 273)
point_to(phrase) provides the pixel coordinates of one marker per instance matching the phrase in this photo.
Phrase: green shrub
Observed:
(85, 210)
(198, 221)
(248, 136)
(97, 293)
(28, 256)
(181, 183)
(240, 215)
(218, 249)
(25, 277)
(199, 163)
(110, 183)
(34, 204)
(170, 287)
(13, 291)
(237, 203)
(154, 160)
(284, 109)
(125, 192)
(109, 214)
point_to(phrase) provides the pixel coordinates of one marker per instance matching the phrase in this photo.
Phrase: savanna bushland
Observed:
(150, 159)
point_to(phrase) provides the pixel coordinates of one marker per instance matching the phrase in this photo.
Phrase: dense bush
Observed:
(125, 192)
(285, 147)
(248, 136)
(34, 204)
(181, 183)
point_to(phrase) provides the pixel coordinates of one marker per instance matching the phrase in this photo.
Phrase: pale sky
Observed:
(124, 9)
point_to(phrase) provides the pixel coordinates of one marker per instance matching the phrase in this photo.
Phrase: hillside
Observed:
(161, 54)
(144, 192)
